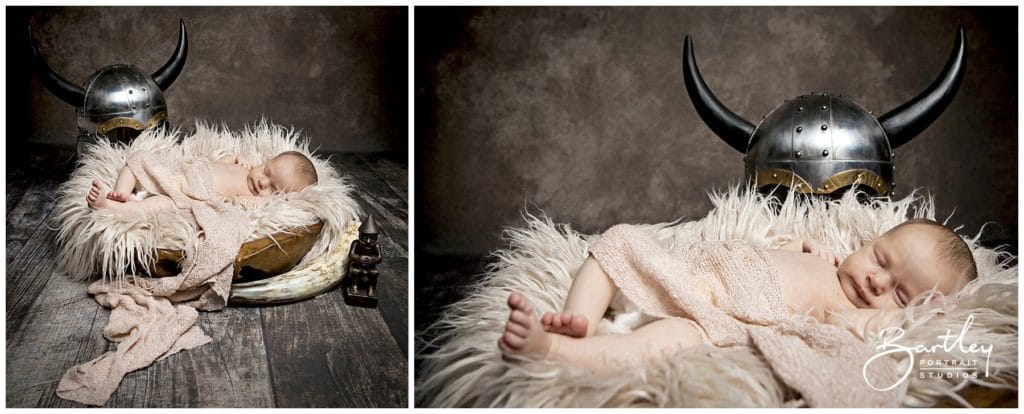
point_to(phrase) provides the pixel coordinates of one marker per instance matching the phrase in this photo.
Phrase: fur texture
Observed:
(97, 242)
(462, 365)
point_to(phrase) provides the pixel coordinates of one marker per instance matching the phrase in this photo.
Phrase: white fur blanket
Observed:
(98, 243)
(152, 318)
(463, 366)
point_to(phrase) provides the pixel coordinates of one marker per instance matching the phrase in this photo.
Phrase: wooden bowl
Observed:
(257, 259)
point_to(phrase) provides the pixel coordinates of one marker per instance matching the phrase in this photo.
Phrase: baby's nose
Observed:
(880, 282)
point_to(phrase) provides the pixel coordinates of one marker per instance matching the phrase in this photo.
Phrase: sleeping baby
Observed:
(708, 292)
(236, 180)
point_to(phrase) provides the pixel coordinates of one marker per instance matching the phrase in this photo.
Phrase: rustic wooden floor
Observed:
(316, 353)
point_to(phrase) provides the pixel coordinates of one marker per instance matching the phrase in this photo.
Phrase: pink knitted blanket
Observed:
(152, 318)
(732, 291)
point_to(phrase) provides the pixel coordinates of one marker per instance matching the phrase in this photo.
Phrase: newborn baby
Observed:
(236, 180)
(866, 291)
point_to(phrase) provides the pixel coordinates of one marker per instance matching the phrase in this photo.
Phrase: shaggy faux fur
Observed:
(151, 318)
(95, 243)
(463, 366)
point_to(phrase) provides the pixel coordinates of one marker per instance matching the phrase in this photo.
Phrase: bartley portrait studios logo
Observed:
(933, 368)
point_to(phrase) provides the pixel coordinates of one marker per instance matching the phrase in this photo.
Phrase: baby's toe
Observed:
(578, 324)
(515, 300)
(517, 329)
(514, 341)
(503, 346)
(520, 317)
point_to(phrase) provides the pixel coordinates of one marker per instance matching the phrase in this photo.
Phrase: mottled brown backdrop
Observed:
(582, 112)
(340, 74)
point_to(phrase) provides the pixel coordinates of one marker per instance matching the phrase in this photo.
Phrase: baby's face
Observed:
(896, 267)
(276, 176)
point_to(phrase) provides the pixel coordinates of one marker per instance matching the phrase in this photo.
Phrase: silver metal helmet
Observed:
(822, 143)
(119, 101)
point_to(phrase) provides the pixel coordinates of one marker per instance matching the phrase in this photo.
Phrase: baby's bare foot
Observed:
(565, 323)
(523, 332)
(93, 198)
(116, 196)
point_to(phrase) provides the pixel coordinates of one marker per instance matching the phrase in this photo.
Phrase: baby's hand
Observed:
(826, 254)
(240, 160)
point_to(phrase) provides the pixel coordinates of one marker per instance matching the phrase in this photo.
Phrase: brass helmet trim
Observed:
(124, 122)
(778, 176)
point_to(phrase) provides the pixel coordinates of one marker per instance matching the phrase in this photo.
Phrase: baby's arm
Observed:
(865, 320)
(237, 159)
(813, 247)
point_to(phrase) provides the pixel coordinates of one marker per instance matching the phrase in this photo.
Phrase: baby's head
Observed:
(288, 172)
(914, 257)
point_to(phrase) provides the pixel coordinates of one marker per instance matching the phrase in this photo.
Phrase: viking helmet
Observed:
(820, 143)
(118, 98)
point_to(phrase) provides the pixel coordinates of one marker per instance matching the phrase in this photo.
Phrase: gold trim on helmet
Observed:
(123, 122)
(778, 176)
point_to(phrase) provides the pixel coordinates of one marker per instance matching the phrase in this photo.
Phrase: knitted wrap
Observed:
(732, 291)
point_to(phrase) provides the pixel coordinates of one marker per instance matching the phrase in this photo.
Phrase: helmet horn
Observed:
(734, 130)
(66, 91)
(906, 121)
(166, 75)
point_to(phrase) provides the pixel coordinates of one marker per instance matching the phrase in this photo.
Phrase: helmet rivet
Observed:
(824, 107)
(799, 154)
(130, 91)
(824, 153)
(799, 109)
(133, 106)
(147, 105)
(824, 127)
(826, 186)
(871, 112)
(799, 129)
(824, 94)
(143, 89)
(775, 175)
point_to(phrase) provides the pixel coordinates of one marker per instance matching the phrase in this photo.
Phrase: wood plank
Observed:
(30, 212)
(29, 268)
(37, 163)
(30, 245)
(395, 175)
(376, 197)
(393, 292)
(230, 371)
(63, 328)
(324, 353)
